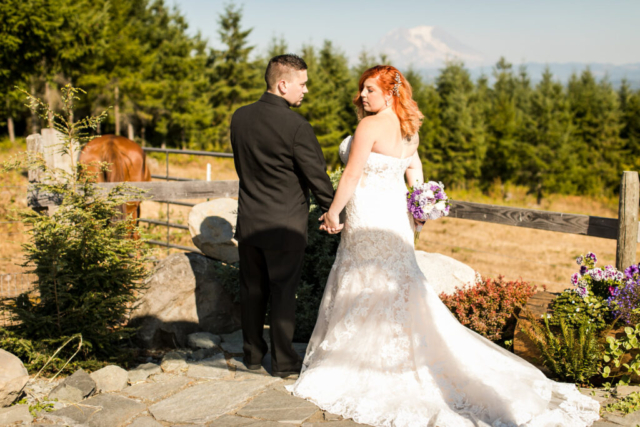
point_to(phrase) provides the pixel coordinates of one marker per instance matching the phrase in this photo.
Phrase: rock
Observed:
(625, 390)
(13, 378)
(103, 410)
(156, 390)
(280, 386)
(275, 406)
(110, 378)
(143, 372)
(182, 296)
(444, 273)
(212, 225)
(601, 396)
(145, 422)
(205, 353)
(174, 361)
(242, 372)
(343, 423)
(232, 343)
(220, 397)
(203, 340)
(74, 388)
(213, 368)
(14, 414)
(632, 419)
(235, 421)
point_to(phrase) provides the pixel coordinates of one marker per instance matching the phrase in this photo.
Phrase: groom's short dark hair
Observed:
(280, 66)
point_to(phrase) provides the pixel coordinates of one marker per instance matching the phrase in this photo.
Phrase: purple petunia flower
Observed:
(579, 260)
(592, 256)
(631, 271)
(575, 278)
(583, 270)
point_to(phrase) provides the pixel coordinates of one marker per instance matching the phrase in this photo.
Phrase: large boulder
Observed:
(212, 225)
(184, 295)
(13, 377)
(444, 273)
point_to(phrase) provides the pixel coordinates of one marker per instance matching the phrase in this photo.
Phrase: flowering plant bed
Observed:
(589, 333)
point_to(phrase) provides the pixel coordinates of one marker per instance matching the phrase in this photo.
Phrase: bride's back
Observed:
(389, 140)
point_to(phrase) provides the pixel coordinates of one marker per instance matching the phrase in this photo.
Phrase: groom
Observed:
(278, 160)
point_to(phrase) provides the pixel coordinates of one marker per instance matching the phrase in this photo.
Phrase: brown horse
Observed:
(127, 163)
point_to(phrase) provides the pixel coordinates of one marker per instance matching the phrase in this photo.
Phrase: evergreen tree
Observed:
(548, 156)
(459, 148)
(503, 126)
(277, 46)
(328, 106)
(27, 38)
(630, 132)
(597, 119)
(428, 101)
(235, 80)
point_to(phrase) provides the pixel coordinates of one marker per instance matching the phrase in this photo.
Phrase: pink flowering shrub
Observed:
(489, 306)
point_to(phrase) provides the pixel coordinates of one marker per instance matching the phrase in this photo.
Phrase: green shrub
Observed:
(88, 270)
(574, 353)
(616, 349)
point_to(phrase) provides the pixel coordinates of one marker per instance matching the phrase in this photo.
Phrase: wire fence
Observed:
(167, 177)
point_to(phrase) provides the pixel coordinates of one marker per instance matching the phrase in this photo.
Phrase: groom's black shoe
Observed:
(288, 372)
(252, 367)
(284, 374)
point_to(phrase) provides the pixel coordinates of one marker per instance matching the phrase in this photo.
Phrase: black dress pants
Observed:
(269, 275)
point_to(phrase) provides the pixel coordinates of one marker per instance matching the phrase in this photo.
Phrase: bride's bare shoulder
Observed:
(368, 124)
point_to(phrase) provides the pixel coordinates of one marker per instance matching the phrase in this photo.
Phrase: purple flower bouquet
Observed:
(427, 201)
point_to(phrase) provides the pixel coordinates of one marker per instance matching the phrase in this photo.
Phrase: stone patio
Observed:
(216, 391)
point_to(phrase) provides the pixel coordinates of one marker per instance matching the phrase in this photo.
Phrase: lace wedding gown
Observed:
(387, 352)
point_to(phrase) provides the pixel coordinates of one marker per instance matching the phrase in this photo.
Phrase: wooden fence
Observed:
(623, 229)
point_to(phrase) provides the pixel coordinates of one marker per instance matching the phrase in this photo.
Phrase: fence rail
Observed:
(187, 152)
(168, 202)
(624, 229)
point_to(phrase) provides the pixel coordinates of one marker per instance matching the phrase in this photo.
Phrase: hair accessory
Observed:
(396, 87)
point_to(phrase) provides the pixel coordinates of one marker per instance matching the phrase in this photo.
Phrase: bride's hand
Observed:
(418, 223)
(331, 223)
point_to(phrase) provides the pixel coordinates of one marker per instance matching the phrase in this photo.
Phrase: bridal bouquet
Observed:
(427, 201)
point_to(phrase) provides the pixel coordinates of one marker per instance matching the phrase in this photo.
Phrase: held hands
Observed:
(331, 223)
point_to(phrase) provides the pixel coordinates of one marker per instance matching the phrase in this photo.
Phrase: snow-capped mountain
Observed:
(425, 47)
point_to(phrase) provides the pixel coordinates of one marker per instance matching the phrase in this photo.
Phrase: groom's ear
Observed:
(282, 86)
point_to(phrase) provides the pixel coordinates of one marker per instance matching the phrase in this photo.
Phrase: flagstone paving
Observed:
(214, 392)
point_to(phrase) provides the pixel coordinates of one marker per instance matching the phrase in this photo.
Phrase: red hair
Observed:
(403, 105)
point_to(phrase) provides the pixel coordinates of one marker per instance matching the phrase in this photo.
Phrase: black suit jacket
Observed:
(278, 160)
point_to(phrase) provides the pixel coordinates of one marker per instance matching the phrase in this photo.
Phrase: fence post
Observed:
(34, 148)
(627, 220)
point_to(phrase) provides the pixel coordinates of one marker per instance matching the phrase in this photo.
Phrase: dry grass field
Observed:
(541, 257)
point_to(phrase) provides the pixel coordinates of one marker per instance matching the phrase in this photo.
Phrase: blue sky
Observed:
(585, 31)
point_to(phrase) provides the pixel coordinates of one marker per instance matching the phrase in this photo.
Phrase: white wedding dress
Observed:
(387, 352)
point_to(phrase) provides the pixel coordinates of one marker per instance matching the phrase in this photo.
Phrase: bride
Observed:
(385, 350)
